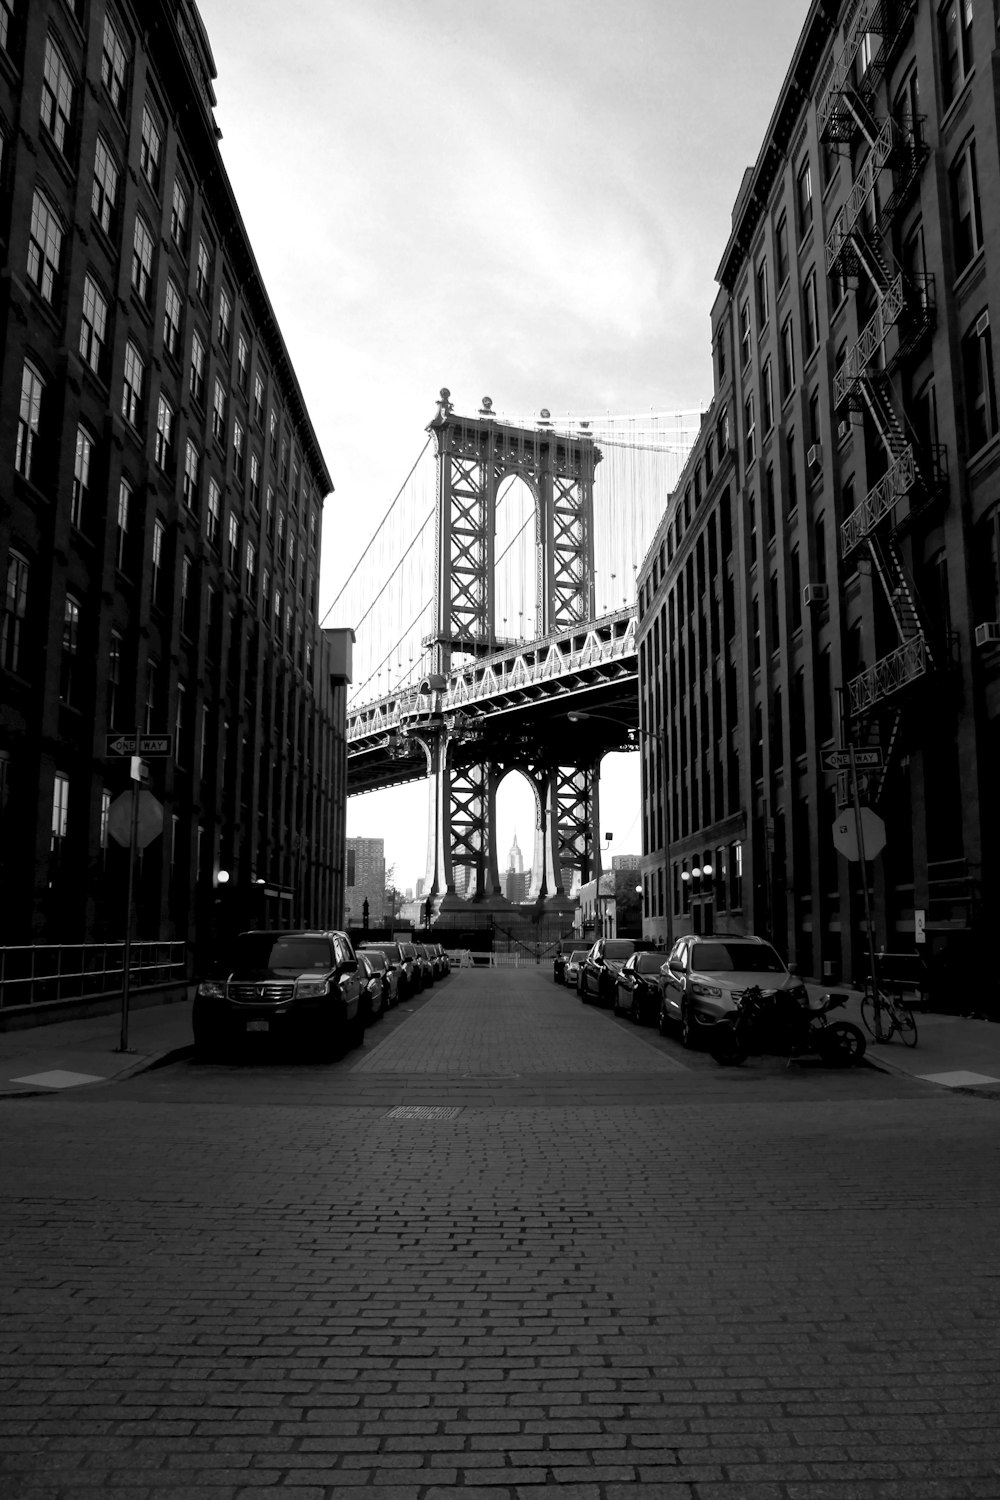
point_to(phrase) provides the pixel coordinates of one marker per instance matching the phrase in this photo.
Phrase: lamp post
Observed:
(580, 716)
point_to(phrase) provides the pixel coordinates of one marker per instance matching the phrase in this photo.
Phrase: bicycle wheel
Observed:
(868, 1013)
(905, 1023)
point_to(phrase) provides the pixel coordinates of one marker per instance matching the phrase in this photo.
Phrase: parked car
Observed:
(398, 970)
(599, 970)
(443, 956)
(414, 967)
(637, 987)
(270, 986)
(703, 976)
(426, 963)
(392, 973)
(572, 970)
(372, 986)
(435, 953)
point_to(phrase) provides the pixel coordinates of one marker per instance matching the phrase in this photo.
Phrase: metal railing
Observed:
(895, 483)
(888, 675)
(42, 974)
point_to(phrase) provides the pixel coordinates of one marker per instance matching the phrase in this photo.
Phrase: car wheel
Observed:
(663, 1020)
(688, 1023)
(581, 993)
(356, 1030)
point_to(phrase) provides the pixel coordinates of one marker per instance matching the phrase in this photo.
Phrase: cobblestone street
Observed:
(515, 1246)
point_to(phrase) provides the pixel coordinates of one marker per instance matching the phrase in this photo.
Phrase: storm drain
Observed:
(423, 1112)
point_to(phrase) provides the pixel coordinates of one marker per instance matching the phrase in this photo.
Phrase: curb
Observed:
(145, 1064)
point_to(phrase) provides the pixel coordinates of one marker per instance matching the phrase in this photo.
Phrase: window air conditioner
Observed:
(814, 455)
(815, 593)
(988, 635)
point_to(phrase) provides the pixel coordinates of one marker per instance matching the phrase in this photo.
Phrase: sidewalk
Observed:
(950, 1052)
(71, 1054)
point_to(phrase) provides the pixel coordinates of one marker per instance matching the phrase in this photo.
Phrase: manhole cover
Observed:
(423, 1112)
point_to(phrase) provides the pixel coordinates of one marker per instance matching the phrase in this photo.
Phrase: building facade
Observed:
(366, 882)
(828, 570)
(162, 492)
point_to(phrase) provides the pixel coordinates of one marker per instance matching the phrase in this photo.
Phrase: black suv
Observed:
(277, 985)
(598, 974)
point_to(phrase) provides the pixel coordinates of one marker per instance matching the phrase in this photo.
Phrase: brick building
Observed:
(162, 499)
(828, 568)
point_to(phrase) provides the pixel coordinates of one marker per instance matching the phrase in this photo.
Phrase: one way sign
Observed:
(149, 744)
(868, 759)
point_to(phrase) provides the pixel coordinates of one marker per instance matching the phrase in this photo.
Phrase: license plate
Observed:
(258, 1026)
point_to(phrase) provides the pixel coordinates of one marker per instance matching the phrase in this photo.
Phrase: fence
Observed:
(45, 974)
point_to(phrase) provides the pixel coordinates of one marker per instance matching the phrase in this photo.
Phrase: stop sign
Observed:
(845, 833)
(149, 822)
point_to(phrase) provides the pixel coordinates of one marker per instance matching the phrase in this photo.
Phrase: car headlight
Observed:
(313, 987)
(712, 990)
(211, 989)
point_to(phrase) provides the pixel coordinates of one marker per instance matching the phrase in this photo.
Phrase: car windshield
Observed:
(268, 950)
(376, 958)
(721, 958)
(578, 955)
(648, 963)
(618, 949)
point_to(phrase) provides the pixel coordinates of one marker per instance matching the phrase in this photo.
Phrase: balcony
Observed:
(889, 19)
(904, 151)
(891, 673)
(896, 482)
(862, 354)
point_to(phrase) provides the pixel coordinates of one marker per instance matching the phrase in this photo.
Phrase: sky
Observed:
(526, 199)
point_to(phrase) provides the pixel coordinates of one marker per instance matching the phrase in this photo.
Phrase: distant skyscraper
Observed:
(365, 880)
(517, 878)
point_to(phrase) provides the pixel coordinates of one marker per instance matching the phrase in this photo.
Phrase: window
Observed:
(804, 197)
(720, 353)
(45, 241)
(750, 431)
(269, 514)
(122, 523)
(93, 326)
(770, 519)
(966, 217)
(251, 568)
(752, 528)
(57, 98)
(786, 368)
(180, 207)
(761, 282)
(114, 63)
(819, 548)
(104, 195)
(279, 545)
(213, 516)
(255, 481)
(152, 667)
(980, 391)
(767, 397)
(796, 598)
(291, 557)
(80, 497)
(225, 325)
(187, 595)
(29, 421)
(791, 485)
(283, 467)
(8, 24)
(242, 363)
(219, 411)
(142, 260)
(810, 315)
(192, 467)
(313, 522)
(955, 28)
(239, 449)
(745, 332)
(203, 273)
(273, 428)
(15, 608)
(197, 380)
(781, 252)
(164, 444)
(258, 399)
(133, 385)
(60, 813)
(172, 318)
(157, 586)
(814, 429)
(150, 148)
(115, 658)
(233, 548)
(68, 670)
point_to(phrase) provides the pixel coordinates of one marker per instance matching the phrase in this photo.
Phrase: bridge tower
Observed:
(474, 456)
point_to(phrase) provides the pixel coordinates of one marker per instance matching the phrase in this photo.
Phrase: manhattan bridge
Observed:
(496, 597)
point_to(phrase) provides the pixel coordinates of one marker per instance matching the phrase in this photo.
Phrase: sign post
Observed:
(135, 771)
(859, 826)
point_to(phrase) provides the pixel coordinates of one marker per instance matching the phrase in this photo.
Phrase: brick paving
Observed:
(231, 1282)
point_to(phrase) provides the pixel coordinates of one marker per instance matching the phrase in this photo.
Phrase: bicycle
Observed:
(884, 1015)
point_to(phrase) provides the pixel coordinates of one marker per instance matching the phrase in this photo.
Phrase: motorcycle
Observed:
(766, 1020)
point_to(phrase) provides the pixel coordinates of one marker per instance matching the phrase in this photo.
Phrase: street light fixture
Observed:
(578, 716)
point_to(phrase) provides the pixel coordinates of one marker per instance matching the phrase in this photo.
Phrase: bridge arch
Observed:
(516, 560)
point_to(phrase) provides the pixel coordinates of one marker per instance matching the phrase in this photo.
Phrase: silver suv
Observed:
(703, 976)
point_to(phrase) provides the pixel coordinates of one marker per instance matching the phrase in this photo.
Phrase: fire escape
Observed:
(859, 245)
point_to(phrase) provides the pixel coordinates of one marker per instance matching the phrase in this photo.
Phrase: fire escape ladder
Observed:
(899, 591)
(883, 414)
(889, 743)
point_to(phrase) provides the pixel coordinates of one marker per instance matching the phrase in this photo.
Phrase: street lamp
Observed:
(579, 716)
